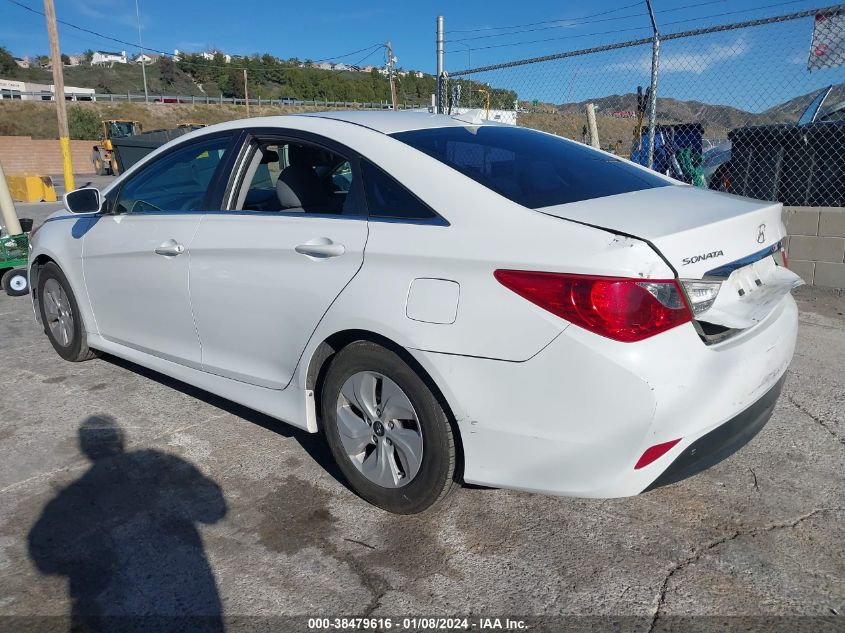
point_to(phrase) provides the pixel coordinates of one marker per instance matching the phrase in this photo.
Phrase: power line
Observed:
(581, 23)
(336, 57)
(154, 50)
(519, 26)
(626, 30)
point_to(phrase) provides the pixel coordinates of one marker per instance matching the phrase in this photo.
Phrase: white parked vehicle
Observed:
(445, 299)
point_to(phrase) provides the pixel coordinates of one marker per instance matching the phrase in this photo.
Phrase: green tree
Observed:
(8, 67)
(168, 70)
(65, 59)
(83, 124)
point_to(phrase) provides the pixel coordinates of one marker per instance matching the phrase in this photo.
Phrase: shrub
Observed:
(83, 124)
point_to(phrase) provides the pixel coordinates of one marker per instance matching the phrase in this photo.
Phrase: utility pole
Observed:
(141, 46)
(440, 97)
(59, 93)
(246, 94)
(652, 106)
(391, 62)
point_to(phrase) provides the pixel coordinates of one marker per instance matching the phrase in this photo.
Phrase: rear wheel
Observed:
(100, 167)
(60, 315)
(15, 282)
(386, 430)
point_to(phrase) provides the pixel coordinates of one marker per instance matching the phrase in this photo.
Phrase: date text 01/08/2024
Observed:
(416, 624)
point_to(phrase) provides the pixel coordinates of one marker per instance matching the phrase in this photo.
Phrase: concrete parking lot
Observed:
(210, 508)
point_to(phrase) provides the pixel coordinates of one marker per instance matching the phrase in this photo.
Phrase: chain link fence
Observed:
(755, 108)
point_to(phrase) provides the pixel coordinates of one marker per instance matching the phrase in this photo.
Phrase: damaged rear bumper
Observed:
(721, 442)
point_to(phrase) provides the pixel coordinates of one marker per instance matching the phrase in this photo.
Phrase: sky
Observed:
(763, 66)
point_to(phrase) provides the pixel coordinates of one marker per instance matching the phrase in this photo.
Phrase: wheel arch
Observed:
(321, 359)
(35, 268)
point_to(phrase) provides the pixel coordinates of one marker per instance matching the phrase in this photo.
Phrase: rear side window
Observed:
(386, 198)
(530, 168)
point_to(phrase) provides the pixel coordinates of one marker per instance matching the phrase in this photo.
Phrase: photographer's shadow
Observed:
(124, 534)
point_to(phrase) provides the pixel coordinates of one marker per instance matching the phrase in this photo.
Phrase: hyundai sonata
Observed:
(445, 299)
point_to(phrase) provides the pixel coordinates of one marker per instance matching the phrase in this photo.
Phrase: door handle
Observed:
(321, 248)
(170, 248)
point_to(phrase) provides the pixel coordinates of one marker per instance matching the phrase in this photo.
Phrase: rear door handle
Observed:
(321, 247)
(170, 248)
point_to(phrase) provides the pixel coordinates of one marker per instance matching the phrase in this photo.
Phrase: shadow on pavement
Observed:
(312, 443)
(125, 536)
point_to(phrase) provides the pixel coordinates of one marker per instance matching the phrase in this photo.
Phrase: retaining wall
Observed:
(23, 155)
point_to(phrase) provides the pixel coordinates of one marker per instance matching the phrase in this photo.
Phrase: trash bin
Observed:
(796, 165)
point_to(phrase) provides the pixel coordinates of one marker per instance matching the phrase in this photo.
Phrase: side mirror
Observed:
(85, 200)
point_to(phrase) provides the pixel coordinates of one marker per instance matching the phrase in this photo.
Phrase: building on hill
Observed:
(143, 58)
(209, 55)
(28, 91)
(22, 62)
(101, 58)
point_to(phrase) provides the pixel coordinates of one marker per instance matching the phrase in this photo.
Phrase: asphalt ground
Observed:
(211, 509)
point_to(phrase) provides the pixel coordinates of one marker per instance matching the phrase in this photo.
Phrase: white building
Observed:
(28, 91)
(209, 55)
(22, 62)
(101, 58)
(143, 58)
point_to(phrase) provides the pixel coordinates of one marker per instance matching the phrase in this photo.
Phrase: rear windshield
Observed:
(531, 168)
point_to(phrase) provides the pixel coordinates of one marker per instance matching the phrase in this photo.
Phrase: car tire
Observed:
(416, 448)
(60, 315)
(100, 167)
(16, 282)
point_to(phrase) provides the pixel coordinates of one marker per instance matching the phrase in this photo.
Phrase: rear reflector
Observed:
(619, 308)
(655, 452)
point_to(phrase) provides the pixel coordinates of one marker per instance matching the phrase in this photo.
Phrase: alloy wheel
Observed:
(379, 429)
(58, 311)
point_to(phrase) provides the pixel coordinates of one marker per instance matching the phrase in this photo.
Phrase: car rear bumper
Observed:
(721, 442)
(575, 419)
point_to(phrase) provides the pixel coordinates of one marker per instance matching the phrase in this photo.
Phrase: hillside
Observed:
(794, 108)
(121, 79)
(38, 118)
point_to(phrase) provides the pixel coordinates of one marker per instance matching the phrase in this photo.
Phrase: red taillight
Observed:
(654, 452)
(620, 308)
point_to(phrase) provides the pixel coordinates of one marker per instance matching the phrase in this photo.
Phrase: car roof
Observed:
(389, 122)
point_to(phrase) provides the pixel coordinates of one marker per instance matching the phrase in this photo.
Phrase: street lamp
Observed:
(141, 46)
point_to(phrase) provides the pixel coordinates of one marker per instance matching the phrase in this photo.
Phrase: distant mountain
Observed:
(715, 118)
(794, 108)
(668, 110)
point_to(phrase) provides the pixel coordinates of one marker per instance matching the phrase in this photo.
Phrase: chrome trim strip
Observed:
(724, 271)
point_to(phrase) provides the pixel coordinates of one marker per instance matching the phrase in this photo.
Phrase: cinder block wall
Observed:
(22, 155)
(816, 244)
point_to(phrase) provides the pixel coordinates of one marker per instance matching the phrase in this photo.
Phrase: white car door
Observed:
(264, 273)
(135, 257)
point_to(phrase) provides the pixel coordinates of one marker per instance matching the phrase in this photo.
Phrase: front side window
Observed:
(528, 167)
(297, 177)
(178, 181)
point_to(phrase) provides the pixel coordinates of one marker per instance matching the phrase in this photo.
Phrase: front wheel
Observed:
(15, 282)
(386, 430)
(60, 315)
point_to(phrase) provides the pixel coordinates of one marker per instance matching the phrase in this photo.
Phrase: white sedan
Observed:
(444, 299)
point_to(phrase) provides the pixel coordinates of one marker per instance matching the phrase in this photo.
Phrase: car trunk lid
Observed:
(705, 236)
